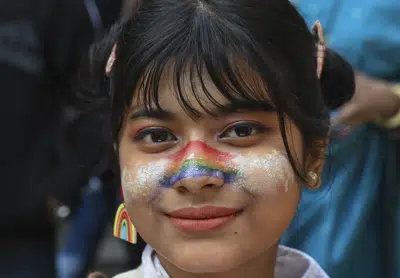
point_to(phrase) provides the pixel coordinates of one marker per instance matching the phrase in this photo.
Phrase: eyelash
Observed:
(148, 131)
(258, 128)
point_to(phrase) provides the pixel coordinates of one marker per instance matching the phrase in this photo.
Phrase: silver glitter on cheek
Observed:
(264, 174)
(142, 181)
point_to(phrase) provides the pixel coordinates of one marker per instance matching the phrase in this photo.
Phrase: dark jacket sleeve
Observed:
(68, 45)
(40, 46)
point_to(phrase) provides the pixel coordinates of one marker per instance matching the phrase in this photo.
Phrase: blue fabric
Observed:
(345, 224)
(339, 224)
(86, 230)
(365, 32)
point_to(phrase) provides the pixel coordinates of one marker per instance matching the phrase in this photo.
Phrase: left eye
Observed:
(155, 136)
(242, 130)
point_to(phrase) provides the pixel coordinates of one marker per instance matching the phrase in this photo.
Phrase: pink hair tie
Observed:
(111, 60)
(321, 46)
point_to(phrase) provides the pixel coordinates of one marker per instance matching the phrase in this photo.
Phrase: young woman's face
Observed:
(208, 194)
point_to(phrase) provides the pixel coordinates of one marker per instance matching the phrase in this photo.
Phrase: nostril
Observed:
(182, 189)
(210, 185)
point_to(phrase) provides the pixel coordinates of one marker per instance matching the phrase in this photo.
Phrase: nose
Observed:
(197, 167)
(196, 185)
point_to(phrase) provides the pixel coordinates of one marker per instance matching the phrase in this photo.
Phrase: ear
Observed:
(314, 164)
(318, 33)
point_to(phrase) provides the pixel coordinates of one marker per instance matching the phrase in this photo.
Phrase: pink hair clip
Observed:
(321, 46)
(111, 60)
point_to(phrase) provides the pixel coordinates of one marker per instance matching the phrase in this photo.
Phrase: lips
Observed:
(202, 219)
(203, 212)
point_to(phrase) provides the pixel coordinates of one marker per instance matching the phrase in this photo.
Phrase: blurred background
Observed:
(59, 197)
(111, 257)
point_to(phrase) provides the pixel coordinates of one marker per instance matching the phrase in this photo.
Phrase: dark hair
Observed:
(209, 35)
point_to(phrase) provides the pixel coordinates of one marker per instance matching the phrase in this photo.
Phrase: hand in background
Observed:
(96, 275)
(373, 101)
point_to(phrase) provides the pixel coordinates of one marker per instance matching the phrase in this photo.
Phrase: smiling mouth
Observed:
(203, 219)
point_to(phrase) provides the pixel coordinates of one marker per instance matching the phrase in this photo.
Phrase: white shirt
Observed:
(290, 263)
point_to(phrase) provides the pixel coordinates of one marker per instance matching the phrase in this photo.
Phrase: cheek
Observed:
(264, 174)
(142, 181)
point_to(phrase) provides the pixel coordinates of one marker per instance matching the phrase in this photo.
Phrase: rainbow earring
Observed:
(123, 226)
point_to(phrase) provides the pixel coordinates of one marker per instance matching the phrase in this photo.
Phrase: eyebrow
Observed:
(152, 114)
(226, 109)
(244, 106)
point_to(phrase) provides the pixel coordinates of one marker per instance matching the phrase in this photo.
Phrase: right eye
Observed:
(155, 136)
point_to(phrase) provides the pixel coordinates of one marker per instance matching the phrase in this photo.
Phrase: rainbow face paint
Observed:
(198, 159)
(258, 174)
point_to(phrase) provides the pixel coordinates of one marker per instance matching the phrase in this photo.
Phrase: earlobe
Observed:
(315, 164)
(318, 33)
(313, 180)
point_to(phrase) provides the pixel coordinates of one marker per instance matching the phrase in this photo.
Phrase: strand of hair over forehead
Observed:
(203, 48)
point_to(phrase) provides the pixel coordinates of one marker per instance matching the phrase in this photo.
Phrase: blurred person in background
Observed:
(101, 196)
(41, 43)
(351, 225)
(86, 227)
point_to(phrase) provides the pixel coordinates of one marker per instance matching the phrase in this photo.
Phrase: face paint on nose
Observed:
(198, 159)
(257, 174)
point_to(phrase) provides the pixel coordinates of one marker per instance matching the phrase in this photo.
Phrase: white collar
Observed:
(290, 263)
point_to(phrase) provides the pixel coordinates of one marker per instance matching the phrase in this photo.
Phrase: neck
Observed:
(262, 266)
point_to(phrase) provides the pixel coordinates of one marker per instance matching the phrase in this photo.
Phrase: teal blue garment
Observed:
(349, 225)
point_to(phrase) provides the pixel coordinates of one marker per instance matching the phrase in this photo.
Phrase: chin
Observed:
(205, 264)
(206, 259)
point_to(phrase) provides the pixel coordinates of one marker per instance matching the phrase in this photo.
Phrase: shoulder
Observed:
(291, 261)
(136, 273)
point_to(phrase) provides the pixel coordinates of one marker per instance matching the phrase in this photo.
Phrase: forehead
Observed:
(197, 90)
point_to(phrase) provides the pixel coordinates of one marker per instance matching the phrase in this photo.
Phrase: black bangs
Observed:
(193, 49)
(202, 79)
